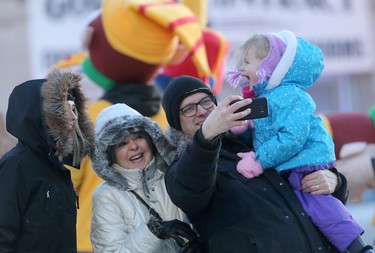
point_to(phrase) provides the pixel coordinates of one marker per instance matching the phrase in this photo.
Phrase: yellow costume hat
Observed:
(150, 30)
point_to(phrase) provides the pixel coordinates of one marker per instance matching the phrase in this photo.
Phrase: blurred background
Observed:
(35, 34)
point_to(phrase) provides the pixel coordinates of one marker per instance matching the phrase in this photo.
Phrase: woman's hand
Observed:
(223, 118)
(319, 182)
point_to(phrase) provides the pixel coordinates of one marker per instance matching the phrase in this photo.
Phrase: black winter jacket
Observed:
(235, 214)
(38, 200)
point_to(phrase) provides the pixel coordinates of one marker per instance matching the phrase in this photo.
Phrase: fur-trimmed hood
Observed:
(37, 113)
(55, 95)
(178, 140)
(300, 66)
(112, 127)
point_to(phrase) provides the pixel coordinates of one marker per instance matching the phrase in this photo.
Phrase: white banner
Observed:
(55, 30)
(342, 28)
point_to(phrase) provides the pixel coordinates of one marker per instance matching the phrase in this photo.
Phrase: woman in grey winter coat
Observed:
(38, 200)
(132, 211)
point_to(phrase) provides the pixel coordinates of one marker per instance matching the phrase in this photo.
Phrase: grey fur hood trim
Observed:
(178, 140)
(54, 93)
(113, 131)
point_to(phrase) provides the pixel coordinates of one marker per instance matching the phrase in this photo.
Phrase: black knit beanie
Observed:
(178, 89)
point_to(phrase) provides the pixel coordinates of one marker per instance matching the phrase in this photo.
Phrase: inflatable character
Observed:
(126, 44)
(353, 134)
(217, 49)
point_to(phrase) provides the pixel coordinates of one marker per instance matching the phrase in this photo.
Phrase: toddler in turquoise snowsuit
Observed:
(292, 139)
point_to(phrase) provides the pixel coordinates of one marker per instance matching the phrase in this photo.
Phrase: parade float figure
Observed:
(217, 48)
(122, 61)
(353, 134)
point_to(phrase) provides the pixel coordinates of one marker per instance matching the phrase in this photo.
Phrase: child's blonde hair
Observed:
(269, 50)
(260, 42)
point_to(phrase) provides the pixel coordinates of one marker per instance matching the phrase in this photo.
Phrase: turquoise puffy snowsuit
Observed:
(292, 135)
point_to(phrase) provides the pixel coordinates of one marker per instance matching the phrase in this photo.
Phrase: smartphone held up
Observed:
(258, 106)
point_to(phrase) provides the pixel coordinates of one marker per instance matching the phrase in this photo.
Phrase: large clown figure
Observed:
(127, 43)
(217, 49)
(354, 137)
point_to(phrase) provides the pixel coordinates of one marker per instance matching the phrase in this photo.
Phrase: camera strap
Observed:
(150, 209)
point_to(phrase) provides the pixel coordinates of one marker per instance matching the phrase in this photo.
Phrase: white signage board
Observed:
(342, 28)
(55, 30)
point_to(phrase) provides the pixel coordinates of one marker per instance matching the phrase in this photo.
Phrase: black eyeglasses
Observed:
(191, 109)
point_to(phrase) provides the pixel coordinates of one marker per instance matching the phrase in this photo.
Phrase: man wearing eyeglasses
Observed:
(230, 212)
(192, 115)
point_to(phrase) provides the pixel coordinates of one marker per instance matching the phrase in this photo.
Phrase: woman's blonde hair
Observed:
(80, 142)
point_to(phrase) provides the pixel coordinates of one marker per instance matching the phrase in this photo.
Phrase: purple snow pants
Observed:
(328, 214)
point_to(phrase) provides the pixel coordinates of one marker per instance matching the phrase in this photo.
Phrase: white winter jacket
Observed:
(119, 219)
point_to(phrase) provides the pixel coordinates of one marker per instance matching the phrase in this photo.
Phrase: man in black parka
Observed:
(232, 213)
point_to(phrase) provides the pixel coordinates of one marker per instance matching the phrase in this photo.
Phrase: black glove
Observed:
(192, 246)
(174, 229)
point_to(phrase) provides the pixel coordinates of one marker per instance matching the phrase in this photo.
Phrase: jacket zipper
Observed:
(48, 199)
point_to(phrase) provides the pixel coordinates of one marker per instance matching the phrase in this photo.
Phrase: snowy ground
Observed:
(364, 212)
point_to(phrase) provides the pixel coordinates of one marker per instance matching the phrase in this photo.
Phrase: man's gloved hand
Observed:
(175, 229)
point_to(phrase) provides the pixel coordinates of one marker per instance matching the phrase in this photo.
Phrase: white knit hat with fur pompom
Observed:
(112, 112)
